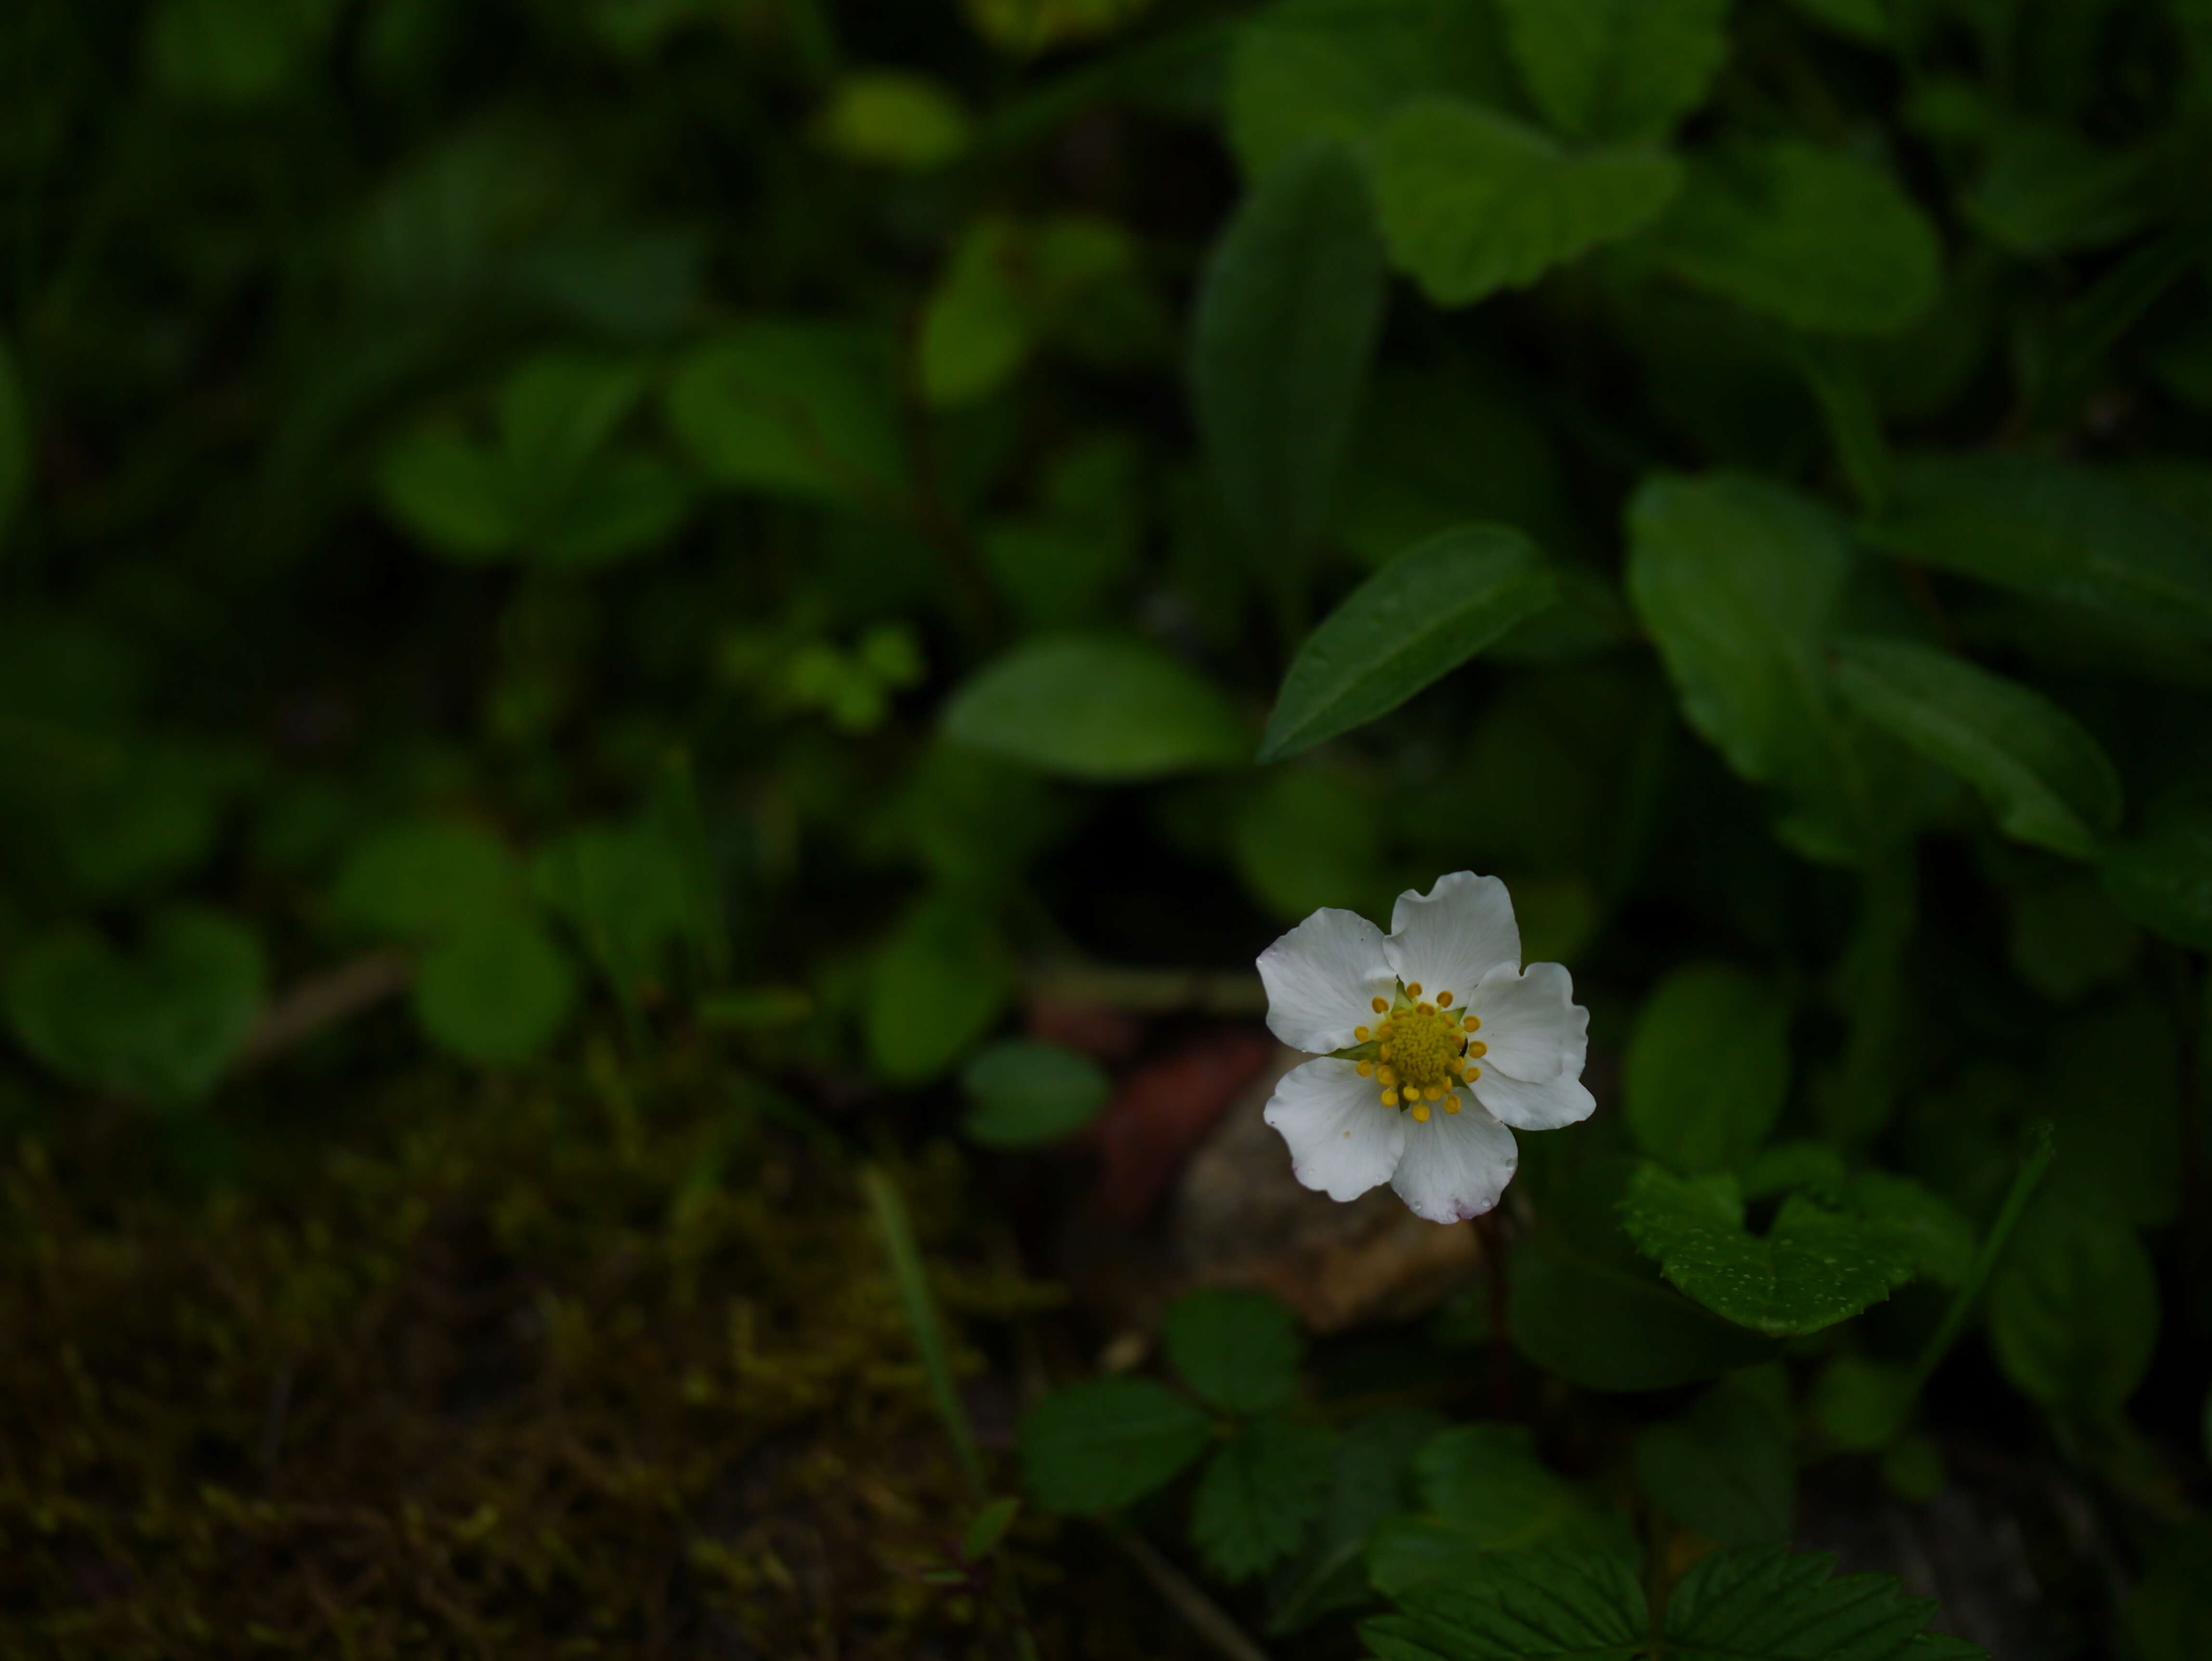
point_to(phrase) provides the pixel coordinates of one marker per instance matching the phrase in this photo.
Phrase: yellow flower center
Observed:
(1421, 1052)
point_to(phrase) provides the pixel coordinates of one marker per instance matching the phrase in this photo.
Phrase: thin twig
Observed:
(1201, 1613)
(324, 1000)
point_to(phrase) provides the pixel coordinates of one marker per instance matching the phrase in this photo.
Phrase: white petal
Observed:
(1531, 1024)
(1321, 979)
(1456, 1165)
(1447, 940)
(1534, 1106)
(1343, 1141)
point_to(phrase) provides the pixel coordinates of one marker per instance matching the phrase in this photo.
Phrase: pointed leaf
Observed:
(1096, 708)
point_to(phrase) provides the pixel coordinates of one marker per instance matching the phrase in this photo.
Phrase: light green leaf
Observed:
(1481, 1489)
(1777, 1605)
(2048, 782)
(2056, 531)
(792, 408)
(158, 1022)
(894, 119)
(1708, 1066)
(1527, 1606)
(1302, 69)
(2073, 1310)
(1021, 1094)
(1617, 69)
(623, 889)
(423, 878)
(1813, 237)
(1107, 1443)
(1283, 331)
(1413, 622)
(1258, 1494)
(495, 990)
(451, 491)
(1604, 1327)
(976, 326)
(1238, 1350)
(935, 988)
(14, 443)
(1739, 583)
(2162, 875)
(1814, 1267)
(1471, 201)
(1096, 708)
(1725, 1469)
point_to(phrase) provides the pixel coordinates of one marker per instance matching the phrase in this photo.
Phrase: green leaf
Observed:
(792, 408)
(2162, 875)
(1302, 69)
(1239, 1351)
(2058, 531)
(1816, 238)
(935, 988)
(1617, 69)
(450, 491)
(976, 327)
(1865, 21)
(1777, 1605)
(1021, 1094)
(1529, 1606)
(15, 455)
(894, 119)
(495, 990)
(1472, 202)
(2068, 939)
(2170, 1611)
(1815, 1265)
(234, 52)
(1724, 1470)
(2073, 1310)
(1258, 1494)
(423, 878)
(1739, 583)
(1481, 1489)
(1096, 708)
(1107, 1443)
(1369, 1473)
(1283, 331)
(1861, 1405)
(1708, 1066)
(159, 1022)
(1413, 623)
(989, 1528)
(2048, 782)
(624, 889)
(1603, 1327)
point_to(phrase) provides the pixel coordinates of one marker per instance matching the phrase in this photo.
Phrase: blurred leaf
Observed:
(1258, 1494)
(2170, 1611)
(1413, 622)
(1471, 201)
(1860, 1405)
(158, 1022)
(1865, 21)
(2056, 531)
(1021, 1094)
(894, 119)
(1739, 582)
(2046, 190)
(1309, 837)
(423, 878)
(1617, 69)
(1107, 1443)
(496, 989)
(623, 890)
(1725, 1470)
(1708, 1066)
(1814, 1267)
(1813, 237)
(1095, 708)
(1302, 69)
(451, 491)
(1283, 330)
(989, 1528)
(934, 988)
(1481, 1489)
(1604, 1327)
(1369, 1471)
(1239, 1351)
(2045, 778)
(235, 52)
(792, 408)
(2162, 875)
(1899, 1212)
(1028, 26)
(976, 330)
(2073, 1310)
(1550, 1605)
(2068, 939)
(16, 449)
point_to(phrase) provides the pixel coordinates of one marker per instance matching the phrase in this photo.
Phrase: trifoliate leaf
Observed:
(1239, 1350)
(1257, 1495)
(1106, 1443)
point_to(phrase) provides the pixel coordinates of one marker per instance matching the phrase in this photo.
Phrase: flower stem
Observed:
(2025, 1182)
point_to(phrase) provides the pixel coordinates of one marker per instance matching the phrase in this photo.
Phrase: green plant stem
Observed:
(2025, 1182)
(920, 1308)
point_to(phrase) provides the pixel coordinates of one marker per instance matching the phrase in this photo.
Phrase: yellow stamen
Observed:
(1478, 1047)
(1388, 1074)
(1381, 1004)
(1428, 1009)
(1389, 1098)
(1367, 1069)
(1420, 1113)
(1451, 1103)
(1473, 1074)
(1360, 1034)
(1444, 999)
(1472, 1022)
(1413, 988)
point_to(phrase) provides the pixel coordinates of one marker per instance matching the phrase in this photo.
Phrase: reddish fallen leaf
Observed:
(1164, 1109)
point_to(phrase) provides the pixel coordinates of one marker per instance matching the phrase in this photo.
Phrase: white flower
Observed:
(1383, 1104)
